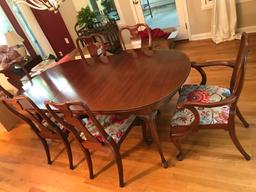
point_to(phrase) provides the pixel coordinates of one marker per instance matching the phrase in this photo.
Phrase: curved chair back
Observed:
(237, 79)
(26, 109)
(76, 114)
(134, 34)
(94, 44)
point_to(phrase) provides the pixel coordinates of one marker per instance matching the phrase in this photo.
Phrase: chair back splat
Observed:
(95, 45)
(134, 34)
(76, 115)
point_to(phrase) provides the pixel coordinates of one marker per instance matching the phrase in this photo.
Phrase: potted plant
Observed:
(86, 17)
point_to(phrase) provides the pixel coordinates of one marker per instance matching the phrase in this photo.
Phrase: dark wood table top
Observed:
(131, 81)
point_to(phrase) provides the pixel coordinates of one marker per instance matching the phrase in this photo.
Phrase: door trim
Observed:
(186, 18)
(183, 10)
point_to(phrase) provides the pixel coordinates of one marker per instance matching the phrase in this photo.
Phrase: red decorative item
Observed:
(156, 33)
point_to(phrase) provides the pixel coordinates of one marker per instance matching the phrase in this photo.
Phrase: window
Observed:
(106, 7)
(4, 27)
(26, 28)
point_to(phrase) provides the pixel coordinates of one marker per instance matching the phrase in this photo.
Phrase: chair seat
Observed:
(203, 94)
(114, 125)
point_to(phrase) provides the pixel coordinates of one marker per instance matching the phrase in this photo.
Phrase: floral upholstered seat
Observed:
(114, 125)
(203, 94)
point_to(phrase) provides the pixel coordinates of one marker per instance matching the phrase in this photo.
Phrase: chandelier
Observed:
(51, 5)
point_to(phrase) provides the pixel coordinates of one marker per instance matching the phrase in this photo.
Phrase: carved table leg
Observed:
(150, 121)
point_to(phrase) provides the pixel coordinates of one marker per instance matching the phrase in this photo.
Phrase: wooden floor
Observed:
(212, 162)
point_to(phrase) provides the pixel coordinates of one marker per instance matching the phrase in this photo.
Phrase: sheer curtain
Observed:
(5, 26)
(224, 21)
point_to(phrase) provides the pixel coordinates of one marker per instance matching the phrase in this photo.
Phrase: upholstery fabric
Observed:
(203, 94)
(114, 125)
(44, 122)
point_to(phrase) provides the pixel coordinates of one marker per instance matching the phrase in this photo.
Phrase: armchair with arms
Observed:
(211, 107)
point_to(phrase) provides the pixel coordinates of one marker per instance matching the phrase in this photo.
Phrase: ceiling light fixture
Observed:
(51, 5)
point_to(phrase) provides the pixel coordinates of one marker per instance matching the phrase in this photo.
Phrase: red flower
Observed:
(198, 96)
(119, 134)
(222, 117)
(116, 119)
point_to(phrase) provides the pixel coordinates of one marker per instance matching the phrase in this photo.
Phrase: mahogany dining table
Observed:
(134, 82)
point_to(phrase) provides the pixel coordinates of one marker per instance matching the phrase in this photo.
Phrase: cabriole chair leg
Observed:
(242, 119)
(236, 142)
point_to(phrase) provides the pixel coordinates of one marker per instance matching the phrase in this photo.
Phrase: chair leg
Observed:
(242, 119)
(89, 163)
(176, 142)
(47, 151)
(119, 164)
(69, 152)
(236, 142)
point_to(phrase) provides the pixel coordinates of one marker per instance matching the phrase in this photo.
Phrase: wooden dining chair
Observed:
(211, 107)
(43, 125)
(134, 35)
(94, 44)
(94, 132)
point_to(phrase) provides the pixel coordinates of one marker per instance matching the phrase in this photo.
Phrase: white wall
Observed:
(36, 29)
(78, 4)
(200, 20)
(68, 12)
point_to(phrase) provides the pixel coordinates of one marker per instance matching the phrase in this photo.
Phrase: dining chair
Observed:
(94, 44)
(5, 92)
(94, 132)
(135, 37)
(210, 106)
(43, 125)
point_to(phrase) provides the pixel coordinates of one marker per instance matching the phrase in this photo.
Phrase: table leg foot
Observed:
(165, 164)
(149, 141)
(150, 121)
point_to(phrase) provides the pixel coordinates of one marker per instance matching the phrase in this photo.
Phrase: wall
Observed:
(246, 14)
(78, 4)
(68, 12)
(200, 20)
(126, 13)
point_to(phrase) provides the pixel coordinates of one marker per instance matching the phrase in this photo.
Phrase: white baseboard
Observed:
(249, 29)
(201, 36)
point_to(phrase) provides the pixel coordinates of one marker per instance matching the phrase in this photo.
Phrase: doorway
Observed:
(167, 15)
(160, 13)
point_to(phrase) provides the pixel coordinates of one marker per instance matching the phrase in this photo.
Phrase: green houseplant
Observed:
(86, 17)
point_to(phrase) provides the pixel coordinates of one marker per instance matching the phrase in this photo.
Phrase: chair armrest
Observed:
(188, 104)
(214, 63)
(199, 67)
